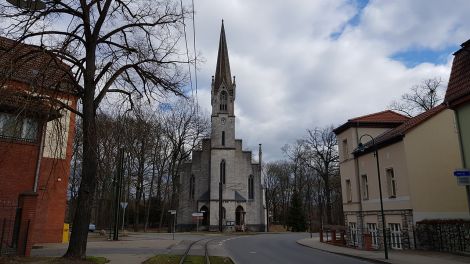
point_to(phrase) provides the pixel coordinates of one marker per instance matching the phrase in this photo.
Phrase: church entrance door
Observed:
(239, 216)
(205, 217)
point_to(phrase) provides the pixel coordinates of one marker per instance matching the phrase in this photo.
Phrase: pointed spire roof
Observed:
(222, 71)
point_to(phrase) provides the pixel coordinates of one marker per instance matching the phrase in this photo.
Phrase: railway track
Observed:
(206, 242)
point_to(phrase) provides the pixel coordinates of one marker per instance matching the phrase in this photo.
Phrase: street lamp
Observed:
(376, 154)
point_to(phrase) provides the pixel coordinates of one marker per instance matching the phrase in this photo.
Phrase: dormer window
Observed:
(223, 101)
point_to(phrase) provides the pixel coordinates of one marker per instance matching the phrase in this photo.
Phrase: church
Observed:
(221, 181)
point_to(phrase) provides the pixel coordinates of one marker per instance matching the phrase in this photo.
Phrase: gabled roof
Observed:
(384, 119)
(396, 134)
(33, 65)
(222, 70)
(458, 90)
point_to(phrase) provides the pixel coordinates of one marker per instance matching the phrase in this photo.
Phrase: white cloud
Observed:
(291, 75)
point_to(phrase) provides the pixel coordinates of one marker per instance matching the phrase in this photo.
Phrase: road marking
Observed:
(252, 252)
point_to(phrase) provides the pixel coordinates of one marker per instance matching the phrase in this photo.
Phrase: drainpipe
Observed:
(39, 158)
(462, 154)
(358, 181)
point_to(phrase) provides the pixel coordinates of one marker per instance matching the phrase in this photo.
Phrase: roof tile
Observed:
(459, 81)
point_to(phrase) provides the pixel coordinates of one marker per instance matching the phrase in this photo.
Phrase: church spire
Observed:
(222, 71)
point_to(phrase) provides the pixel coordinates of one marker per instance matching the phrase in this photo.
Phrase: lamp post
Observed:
(376, 154)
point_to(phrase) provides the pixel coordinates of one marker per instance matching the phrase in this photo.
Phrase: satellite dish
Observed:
(31, 5)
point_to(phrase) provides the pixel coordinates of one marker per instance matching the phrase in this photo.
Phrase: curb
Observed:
(346, 255)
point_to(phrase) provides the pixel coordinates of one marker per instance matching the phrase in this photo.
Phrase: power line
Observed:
(194, 47)
(187, 51)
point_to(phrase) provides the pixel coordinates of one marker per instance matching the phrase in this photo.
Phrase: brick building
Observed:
(36, 135)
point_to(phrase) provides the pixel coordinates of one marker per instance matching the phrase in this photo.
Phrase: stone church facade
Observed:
(221, 180)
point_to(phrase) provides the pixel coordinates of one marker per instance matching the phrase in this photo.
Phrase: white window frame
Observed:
(373, 231)
(353, 233)
(365, 187)
(348, 191)
(392, 183)
(395, 236)
(345, 149)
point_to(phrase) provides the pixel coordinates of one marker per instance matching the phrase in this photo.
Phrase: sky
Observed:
(315, 63)
(306, 64)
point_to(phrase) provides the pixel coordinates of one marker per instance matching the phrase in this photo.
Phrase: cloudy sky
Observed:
(305, 64)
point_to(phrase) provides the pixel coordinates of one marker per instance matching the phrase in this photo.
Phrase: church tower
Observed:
(223, 99)
(221, 180)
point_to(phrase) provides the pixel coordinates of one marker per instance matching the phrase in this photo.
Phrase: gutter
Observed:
(40, 152)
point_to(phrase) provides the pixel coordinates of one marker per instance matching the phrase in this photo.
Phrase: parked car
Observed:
(91, 227)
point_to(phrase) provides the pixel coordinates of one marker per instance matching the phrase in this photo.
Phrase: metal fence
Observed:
(13, 232)
(443, 235)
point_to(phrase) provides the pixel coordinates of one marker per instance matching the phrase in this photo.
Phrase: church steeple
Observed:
(223, 99)
(223, 88)
(222, 71)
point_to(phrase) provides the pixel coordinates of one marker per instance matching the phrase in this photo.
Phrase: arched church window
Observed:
(251, 189)
(223, 101)
(223, 138)
(192, 187)
(222, 171)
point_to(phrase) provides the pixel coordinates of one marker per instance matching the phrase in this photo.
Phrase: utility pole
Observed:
(118, 193)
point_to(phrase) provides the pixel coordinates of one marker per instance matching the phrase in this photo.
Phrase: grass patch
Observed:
(163, 259)
(174, 259)
(97, 260)
(220, 260)
(52, 260)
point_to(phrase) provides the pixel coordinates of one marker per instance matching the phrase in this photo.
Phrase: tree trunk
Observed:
(328, 198)
(78, 239)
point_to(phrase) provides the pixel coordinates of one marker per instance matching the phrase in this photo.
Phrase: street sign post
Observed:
(198, 216)
(173, 212)
(123, 206)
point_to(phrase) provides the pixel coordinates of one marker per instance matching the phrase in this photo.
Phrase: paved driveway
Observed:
(244, 249)
(279, 249)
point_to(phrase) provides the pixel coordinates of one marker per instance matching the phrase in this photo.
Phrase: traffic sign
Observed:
(123, 205)
(462, 173)
(172, 212)
(198, 214)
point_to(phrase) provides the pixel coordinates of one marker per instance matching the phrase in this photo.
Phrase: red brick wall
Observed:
(52, 199)
(17, 171)
(17, 168)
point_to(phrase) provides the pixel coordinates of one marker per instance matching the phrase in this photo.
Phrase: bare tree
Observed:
(322, 157)
(422, 97)
(111, 46)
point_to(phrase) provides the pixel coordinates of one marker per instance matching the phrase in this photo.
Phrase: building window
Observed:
(192, 187)
(223, 101)
(251, 189)
(222, 171)
(392, 184)
(17, 127)
(365, 187)
(372, 227)
(345, 149)
(353, 233)
(223, 138)
(395, 236)
(348, 191)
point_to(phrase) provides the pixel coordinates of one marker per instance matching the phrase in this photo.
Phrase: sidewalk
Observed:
(395, 256)
(128, 250)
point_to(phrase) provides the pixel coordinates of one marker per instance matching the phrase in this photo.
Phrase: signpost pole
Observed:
(174, 224)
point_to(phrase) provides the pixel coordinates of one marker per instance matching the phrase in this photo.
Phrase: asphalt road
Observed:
(279, 248)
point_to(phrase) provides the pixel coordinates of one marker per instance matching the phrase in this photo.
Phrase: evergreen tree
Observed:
(296, 214)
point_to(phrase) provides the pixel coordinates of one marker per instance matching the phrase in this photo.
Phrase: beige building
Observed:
(416, 159)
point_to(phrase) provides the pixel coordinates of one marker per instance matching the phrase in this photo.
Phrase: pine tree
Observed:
(296, 220)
